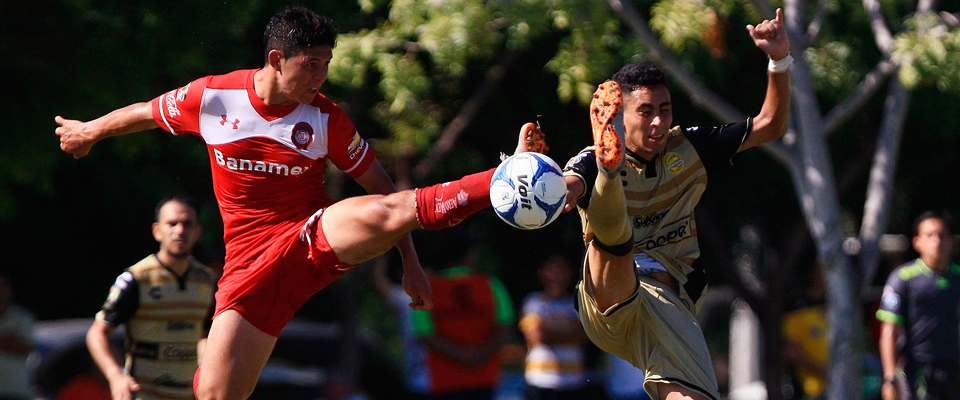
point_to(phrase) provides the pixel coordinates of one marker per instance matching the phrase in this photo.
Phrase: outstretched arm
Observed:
(77, 137)
(771, 37)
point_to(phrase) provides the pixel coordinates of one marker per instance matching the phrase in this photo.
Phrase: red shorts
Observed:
(276, 284)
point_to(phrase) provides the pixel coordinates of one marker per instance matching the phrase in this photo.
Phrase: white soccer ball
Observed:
(527, 190)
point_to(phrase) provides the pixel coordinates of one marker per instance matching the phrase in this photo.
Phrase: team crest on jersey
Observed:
(302, 135)
(674, 162)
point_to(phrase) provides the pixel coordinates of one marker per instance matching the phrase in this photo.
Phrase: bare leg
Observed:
(612, 278)
(234, 355)
(368, 226)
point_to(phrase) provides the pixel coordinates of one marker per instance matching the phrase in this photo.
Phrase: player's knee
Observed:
(393, 211)
(206, 388)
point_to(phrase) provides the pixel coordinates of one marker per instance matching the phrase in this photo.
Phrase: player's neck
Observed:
(267, 88)
(176, 264)
(934, 263)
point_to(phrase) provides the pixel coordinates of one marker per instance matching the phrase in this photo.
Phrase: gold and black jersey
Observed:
(661, 195)
(165, 315)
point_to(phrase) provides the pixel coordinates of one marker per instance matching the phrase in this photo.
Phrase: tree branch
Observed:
(855, 102)
(876, 208)
(813, 30)
(881, 34)
(463, 119)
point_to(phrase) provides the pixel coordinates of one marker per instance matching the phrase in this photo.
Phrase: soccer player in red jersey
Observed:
(269, 133)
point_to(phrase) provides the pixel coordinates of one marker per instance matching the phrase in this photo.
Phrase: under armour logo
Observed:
(224, 122)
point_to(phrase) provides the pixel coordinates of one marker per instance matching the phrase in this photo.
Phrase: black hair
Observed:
(634, 76)
(296, 28)
(180, 198)
(943, 215)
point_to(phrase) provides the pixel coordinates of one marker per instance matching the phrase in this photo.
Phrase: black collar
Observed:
(649, 166)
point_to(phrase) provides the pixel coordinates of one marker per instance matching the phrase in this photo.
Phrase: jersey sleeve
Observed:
(891, 308)
(584, 167)
(122, 302)
(347, 150)
(718, 144)
(178, 111)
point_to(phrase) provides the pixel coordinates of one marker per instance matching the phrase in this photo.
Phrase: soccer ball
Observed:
(527, 190)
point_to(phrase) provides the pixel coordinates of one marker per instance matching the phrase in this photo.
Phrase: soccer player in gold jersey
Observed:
(636, 190)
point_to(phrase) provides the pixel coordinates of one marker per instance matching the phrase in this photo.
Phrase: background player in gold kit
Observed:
(165, 302)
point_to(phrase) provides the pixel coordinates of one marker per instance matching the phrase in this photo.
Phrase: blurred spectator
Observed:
(919, 310)
(805, 338)
(166, 303)
(416, 378)
(16, 342)
(472, 318)
(623, 380)
(554, 367)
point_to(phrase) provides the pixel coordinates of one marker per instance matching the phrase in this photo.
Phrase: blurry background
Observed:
(442, 86)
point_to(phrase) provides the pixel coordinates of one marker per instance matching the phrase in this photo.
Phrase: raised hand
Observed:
(771, 37)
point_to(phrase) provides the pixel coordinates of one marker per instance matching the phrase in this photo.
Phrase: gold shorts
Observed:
(653, 331)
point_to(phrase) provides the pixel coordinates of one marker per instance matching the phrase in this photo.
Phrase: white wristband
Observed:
(780, 65)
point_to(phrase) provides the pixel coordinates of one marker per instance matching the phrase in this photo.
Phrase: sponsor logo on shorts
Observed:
(302, 135)
(242, 164)
(674, 162)
(671, 233)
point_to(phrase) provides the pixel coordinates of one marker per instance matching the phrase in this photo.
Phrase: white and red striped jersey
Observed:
(268, 162)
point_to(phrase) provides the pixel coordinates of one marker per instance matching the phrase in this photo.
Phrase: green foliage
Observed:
(830, 63)
(587, 55)
(928, 53)
(681, 23)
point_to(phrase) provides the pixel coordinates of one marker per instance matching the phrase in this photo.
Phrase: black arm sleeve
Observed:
(123, 300)
(584, 166)
(717, 145)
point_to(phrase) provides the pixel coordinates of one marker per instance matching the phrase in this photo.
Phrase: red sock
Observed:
(446, 204)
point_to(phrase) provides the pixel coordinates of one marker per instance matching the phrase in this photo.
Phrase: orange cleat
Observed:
(608, 144)
(531, 139)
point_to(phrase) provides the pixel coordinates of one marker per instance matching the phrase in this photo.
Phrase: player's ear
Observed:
(273, 58)
(155, 228)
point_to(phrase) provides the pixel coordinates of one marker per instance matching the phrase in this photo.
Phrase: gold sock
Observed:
(607, 211)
